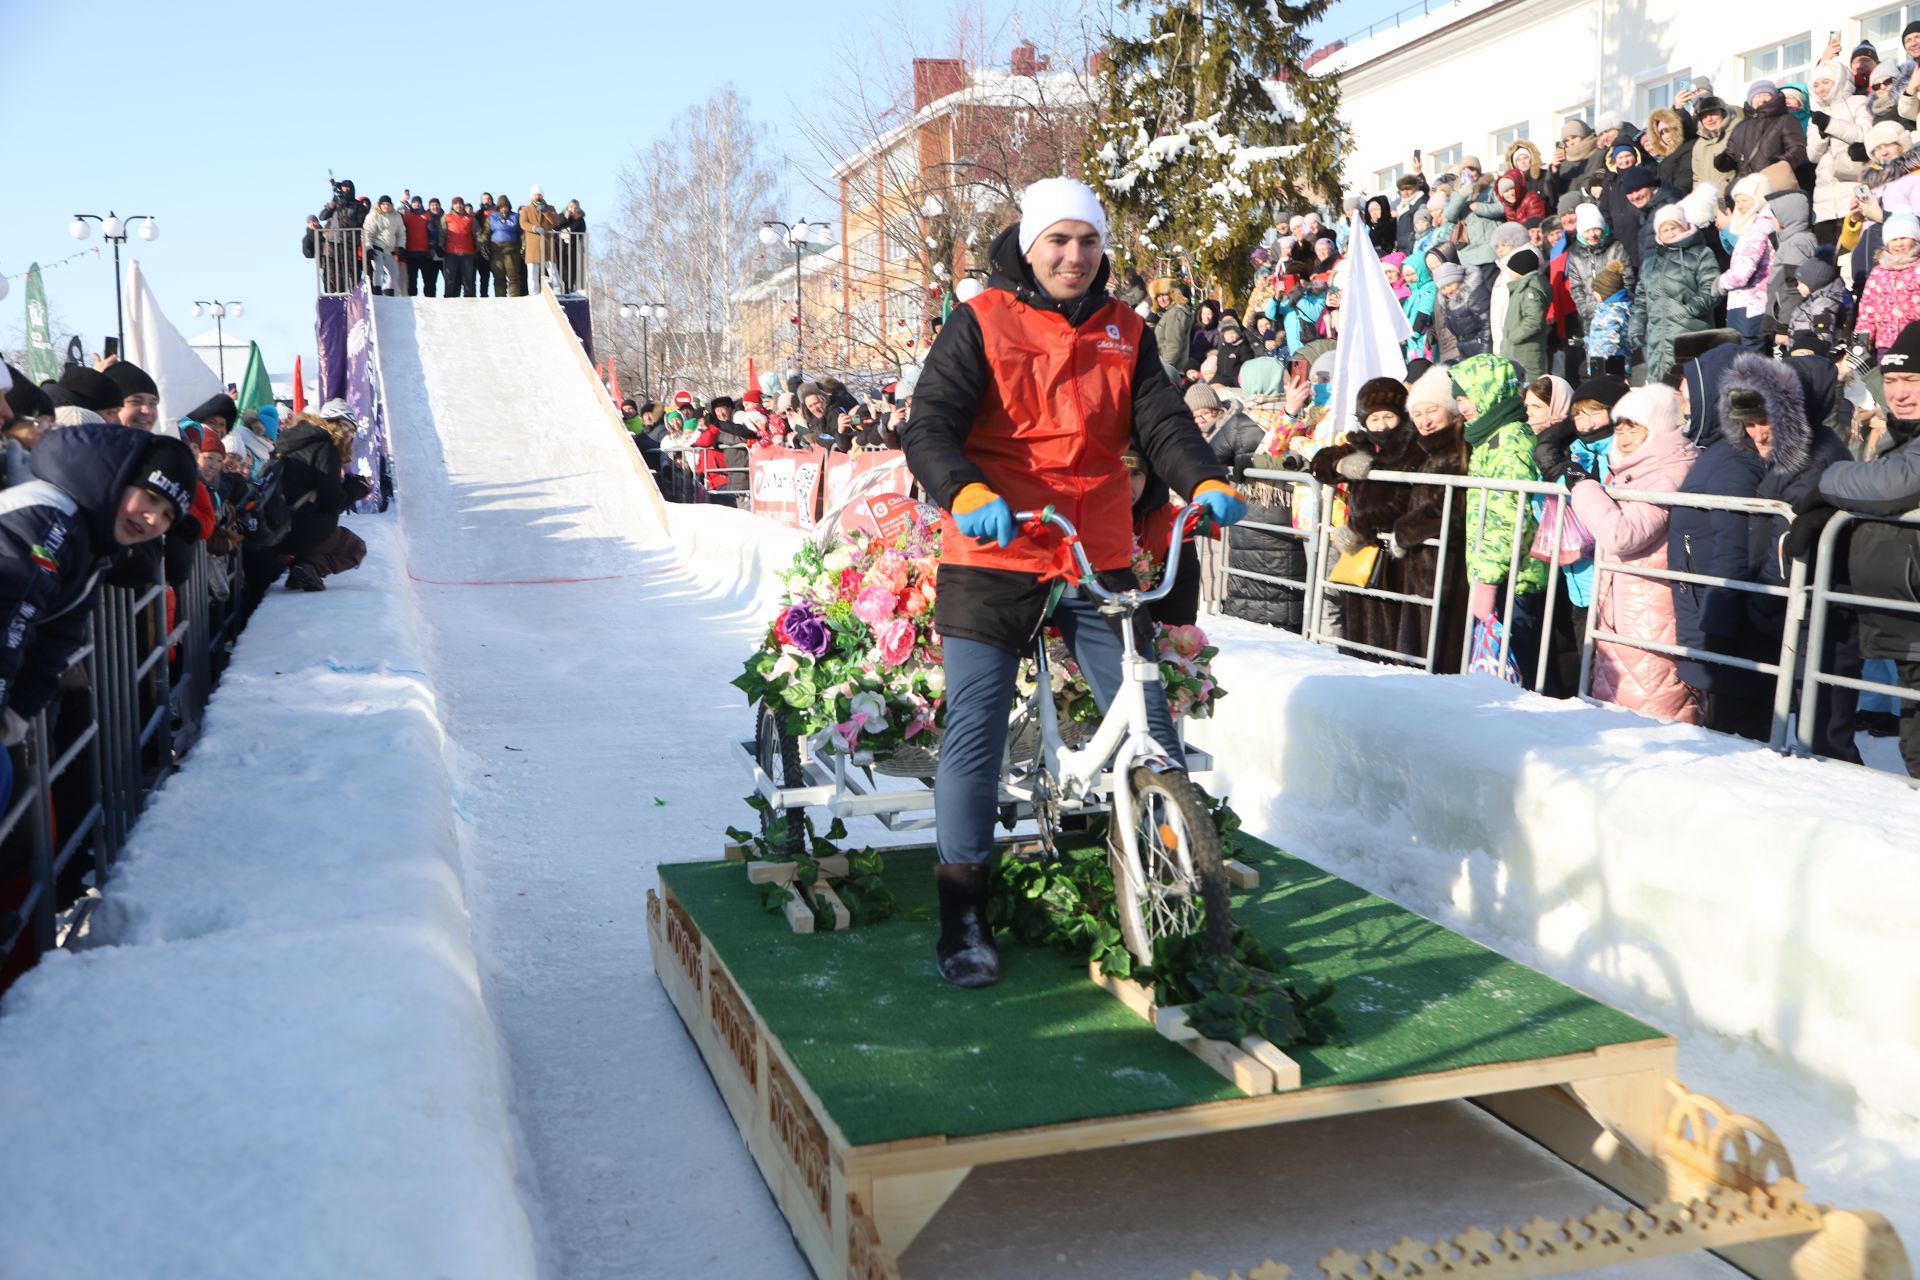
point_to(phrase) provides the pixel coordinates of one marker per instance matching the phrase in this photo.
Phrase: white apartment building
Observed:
(1471, 77)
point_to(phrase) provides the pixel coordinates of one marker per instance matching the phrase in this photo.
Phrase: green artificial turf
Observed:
(893, 1052)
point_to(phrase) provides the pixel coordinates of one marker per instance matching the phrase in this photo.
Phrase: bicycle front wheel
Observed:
(1179, 886)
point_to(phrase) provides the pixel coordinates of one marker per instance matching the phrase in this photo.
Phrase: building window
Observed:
(1788, 60)
(1445, 160)
(1583, 113)
(1385, 179)
(1662, 92)
(1884, 27)
(1503, 140)
(866, 253)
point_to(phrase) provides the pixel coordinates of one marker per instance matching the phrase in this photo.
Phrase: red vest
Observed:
(1055, 416)
(456, 230)
(416, 224)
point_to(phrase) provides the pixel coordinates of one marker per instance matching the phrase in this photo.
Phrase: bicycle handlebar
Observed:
(1089, 576)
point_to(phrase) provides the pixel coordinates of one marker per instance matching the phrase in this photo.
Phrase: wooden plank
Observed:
(763, 872)
(823, 895)
(1240, 875)
(1286, 1072)
(733, 851)
(799, 915)
(1125, 990)
(903, 1205)
(1174, 1024)
(1257, 1112)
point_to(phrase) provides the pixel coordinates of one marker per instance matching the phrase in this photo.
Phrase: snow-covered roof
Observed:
(984, 89)
(1366, 49)
(823, 260)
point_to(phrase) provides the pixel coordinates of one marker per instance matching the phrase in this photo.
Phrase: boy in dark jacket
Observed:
(100, 488)
(1825, 307)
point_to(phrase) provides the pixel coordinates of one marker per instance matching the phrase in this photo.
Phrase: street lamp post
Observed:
(647, 311)
(114, 228)
(219, 311)
(796, 234)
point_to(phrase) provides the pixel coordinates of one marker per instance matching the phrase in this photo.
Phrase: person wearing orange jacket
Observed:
(1029, 396)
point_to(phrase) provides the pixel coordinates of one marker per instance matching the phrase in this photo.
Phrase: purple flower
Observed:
(807, 630)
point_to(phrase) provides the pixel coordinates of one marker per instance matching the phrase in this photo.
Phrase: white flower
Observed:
(837, 559)
(873, 705)
(786, 666)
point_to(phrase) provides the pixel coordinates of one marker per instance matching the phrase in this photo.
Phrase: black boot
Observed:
(304, 577)
(965, 952)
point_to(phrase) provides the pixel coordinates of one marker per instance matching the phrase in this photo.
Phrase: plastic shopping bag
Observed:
(1576, 541)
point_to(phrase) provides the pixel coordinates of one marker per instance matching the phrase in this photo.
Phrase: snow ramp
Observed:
(514, 466)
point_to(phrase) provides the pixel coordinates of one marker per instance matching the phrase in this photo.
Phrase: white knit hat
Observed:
(1432, 387)
(1671, 213)
(1900, 226)
(1052, 200)
(1654, 406)
(1587, 218)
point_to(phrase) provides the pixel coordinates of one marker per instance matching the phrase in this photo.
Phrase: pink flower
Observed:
(1187, 641)
(896, 640)
(889, 572)
(874, 605)
(912, 603)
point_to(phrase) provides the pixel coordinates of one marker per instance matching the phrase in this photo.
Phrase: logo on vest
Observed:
(1114, 342)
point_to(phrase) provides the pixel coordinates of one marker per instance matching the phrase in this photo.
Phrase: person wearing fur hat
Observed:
(1027, 399)
(1648, 451)
(1524, 335)
(1764, 410)
(1768, 134)
(99, 489)
(1386, 442)
(1669, 140)
(1489, 396)
(1891, 299)
(1675, 293)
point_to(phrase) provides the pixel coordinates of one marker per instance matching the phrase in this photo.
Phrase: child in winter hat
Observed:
(1589, 218)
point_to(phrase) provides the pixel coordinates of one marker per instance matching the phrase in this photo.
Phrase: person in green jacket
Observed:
(1675, 293)
(1523, 333)
(1489, 398)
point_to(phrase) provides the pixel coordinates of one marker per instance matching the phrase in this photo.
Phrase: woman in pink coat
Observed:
(1650, 451)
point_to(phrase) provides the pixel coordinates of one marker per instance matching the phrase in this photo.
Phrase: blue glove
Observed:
(993, 521)
(1223, 506)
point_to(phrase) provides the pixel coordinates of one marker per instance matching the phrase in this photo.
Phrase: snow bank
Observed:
(275, 1059)
(736, 551)
(1759, 908)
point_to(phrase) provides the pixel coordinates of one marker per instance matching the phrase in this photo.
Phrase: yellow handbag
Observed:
(1357, 568)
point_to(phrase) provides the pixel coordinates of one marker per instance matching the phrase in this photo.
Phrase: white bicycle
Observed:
(1162, 841)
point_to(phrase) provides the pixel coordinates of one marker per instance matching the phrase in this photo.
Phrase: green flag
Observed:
(256, 389)
(42, 364)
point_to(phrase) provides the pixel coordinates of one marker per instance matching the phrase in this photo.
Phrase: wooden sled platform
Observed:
(866, 1089)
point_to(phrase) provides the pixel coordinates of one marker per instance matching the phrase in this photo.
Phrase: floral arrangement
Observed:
(853, 656)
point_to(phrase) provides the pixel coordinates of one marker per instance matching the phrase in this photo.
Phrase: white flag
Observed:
(155, 345)
(1373, 332)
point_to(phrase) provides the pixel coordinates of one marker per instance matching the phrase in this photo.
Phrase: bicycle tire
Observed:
(778, 753)
(1170, 804)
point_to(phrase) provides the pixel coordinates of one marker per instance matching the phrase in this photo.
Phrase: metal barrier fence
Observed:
(339, 259)
(563, 260)
(146, 681)
(1824, 599)
(681, 480)
(1806, 607)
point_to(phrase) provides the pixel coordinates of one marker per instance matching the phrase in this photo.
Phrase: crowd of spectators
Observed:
(702, 452)
(98, 492)
(411, 248)
(1725, 303)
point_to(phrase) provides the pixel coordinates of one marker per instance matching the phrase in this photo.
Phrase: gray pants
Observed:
(980, 689)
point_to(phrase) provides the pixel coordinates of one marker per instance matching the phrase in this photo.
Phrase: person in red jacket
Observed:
(458, 249)
(1029, 396)
(1519, 200)
(420, 253)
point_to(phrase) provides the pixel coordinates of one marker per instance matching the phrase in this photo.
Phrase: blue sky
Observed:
(221, 118)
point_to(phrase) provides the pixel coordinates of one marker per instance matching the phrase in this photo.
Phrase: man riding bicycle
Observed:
(1029, 396)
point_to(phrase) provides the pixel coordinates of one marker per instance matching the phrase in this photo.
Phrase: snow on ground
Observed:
(1759, 908)
(290, 1062)
(275, 1059)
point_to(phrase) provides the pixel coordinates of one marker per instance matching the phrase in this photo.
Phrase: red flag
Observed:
(753, 379)
(613, 378)
(600, 372)
(299, 388)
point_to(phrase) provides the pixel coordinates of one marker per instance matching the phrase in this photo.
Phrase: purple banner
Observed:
(364, 402)
(330, 336)
(580, 315)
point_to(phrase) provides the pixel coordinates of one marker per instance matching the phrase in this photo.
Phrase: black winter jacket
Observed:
(1884, 558)
(311, 484)
(56, 536)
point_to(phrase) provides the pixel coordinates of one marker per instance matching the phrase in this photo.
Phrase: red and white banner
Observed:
(786, 484)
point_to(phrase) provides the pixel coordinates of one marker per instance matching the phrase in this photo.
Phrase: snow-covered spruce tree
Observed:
(1209, 125)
